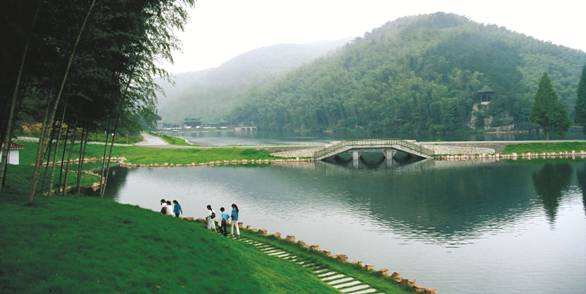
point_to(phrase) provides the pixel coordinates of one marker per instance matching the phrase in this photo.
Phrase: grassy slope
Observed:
(545, 147)
(86, 244)
(144, 155)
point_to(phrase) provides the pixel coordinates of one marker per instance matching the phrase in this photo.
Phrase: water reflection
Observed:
(550, 182)
(581, 175)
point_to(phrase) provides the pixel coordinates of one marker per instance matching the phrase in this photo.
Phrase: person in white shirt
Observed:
(210, 218)
(169, 208)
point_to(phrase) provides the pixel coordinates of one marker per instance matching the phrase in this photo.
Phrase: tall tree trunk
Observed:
(54, 163)
(42, 145)
(103, 166)
(50, 152)
(82, 143)
(63, 157)
(107, 171)
(68, 164)
(7, 141)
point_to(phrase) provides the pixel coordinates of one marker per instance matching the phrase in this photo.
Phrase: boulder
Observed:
(290, 238)
(342, 257)
(277, 235)
(383, 272)
(368, 267)
(188, 218)
(314, 247)
(302, 244)
(263, 232)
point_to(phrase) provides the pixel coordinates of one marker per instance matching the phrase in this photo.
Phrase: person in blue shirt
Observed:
(225, 218)
(234, 217)
(177, 208)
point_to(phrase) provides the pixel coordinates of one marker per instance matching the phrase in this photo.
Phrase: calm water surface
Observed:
(493, 227)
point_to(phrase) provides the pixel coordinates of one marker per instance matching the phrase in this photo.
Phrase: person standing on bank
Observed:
(210, 218)
(177, 208)
(169, 208)
(225, 218)
(234, 217)
(164, 207)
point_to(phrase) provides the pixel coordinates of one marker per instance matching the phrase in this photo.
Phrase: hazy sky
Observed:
(221, 29)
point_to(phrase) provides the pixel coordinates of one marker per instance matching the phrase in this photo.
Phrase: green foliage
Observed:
(92, 245)
(415, 75)
(547, 110)
(581, 100)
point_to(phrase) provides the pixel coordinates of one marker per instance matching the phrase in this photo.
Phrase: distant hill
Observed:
(414, 75)
(212, 93)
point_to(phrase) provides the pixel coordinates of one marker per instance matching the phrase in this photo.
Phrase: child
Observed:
(210, 218)
(163, 207)
(177, 208)
(225, 218)
(234, 217)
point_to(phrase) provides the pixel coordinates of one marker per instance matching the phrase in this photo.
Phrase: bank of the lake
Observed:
(154, 155)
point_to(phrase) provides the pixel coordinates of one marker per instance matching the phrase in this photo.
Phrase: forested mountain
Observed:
(418, 75)
(212, 93)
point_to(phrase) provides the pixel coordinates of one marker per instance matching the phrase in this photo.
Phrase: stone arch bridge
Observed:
(388, 147)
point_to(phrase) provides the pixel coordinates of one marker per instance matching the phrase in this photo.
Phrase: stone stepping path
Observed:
(341, 282)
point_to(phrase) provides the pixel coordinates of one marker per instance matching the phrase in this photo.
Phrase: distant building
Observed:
(485, 95)
(13, 154)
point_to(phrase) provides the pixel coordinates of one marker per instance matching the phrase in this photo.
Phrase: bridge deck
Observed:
(408, 146)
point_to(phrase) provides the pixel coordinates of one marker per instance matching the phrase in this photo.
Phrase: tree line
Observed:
(81, 67)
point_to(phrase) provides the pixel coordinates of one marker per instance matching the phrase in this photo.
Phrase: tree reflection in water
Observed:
(581, 175)
(550, 182)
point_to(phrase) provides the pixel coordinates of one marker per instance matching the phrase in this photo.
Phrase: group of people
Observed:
(174, 208)
(225, 218)
(168, 208)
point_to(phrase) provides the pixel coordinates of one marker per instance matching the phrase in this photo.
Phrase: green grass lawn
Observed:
(172, 139)
(545, 147)
(91, 245)
(147, 155)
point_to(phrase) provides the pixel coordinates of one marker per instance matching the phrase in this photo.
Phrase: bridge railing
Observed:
(374, 142)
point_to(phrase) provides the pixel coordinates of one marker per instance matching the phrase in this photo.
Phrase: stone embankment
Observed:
(441, 149)
(344, 283)
(514, 156)
(216, 163)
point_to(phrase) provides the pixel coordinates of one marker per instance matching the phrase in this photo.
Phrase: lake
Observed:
(460, 227)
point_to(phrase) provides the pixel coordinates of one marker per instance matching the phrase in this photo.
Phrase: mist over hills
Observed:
(413, 75)
(211, 94)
